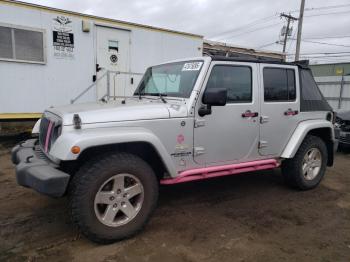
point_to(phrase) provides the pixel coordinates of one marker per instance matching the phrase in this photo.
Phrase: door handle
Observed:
(98, 68)
(291, 112)
(249, 113)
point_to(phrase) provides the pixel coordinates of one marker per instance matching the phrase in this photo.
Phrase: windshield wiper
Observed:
(161, 96)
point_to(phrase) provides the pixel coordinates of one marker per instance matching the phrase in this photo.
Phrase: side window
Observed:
(21, 44)
(236, 79)
(279, 84)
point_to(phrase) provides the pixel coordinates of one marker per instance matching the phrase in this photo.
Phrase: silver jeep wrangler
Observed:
(188, 120)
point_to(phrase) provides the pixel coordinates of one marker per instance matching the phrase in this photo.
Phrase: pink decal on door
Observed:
(180, 139)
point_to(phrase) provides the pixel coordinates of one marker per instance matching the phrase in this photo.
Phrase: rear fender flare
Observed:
(300, 133)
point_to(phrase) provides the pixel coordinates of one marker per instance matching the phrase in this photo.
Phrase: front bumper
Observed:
(34, 170)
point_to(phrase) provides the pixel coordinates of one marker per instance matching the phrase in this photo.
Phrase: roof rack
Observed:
(257, 59)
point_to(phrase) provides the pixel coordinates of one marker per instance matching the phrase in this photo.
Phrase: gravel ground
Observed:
(251, 217)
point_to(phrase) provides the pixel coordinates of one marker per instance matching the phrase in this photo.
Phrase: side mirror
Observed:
(212, 97)
(215, 97)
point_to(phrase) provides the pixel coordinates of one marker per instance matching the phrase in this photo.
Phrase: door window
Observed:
(113, 45)
(236, 79)
(279, 84)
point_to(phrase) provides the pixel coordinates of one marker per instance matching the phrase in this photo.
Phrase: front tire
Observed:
(113, 198)
(306, 170)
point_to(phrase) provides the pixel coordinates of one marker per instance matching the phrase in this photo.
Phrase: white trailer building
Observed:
(50, 56)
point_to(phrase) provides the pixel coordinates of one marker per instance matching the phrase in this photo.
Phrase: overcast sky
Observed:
(253, 23)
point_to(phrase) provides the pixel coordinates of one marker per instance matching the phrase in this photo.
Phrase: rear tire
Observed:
(306, 170)
(113, 197)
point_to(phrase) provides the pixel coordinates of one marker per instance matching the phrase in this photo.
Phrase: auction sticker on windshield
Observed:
(193, 66)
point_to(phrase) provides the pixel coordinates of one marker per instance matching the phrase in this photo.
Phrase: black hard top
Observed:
(257, 59)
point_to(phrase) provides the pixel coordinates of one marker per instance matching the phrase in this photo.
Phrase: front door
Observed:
(231, 132)
(113, 54)
(279, 107)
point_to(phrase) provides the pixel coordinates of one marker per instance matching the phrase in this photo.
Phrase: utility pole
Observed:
(300, 26)
(289, 19)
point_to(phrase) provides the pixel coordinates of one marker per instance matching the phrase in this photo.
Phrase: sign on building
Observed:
(63, 37)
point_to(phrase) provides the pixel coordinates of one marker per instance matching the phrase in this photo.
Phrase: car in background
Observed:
(342, 128)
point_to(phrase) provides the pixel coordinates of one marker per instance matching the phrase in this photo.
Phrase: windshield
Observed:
(174, 79)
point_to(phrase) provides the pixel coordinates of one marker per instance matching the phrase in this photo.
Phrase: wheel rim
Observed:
(119, 200)
(312, 163)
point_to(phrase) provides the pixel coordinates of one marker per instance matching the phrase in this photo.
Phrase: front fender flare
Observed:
(87, 138)
(300, 133)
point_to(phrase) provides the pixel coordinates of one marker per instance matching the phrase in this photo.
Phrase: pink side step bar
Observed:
(216, 171)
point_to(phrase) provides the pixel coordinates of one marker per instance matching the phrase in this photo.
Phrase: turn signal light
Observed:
(75, 150)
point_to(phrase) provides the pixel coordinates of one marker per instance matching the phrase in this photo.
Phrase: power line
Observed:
(271, 17)
(262, 46)
(321, 8)
(324, 43)
(244, 27)
(333, 13)
(326, 7)
(327, 37)
(251, 31)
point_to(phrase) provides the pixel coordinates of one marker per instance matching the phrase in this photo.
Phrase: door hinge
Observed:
(199, 150)
(262, 144)
(199, 123)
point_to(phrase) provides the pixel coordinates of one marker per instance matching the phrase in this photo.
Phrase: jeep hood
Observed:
(116, 111)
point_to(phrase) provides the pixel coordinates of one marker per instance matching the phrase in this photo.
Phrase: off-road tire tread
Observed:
(87, 175)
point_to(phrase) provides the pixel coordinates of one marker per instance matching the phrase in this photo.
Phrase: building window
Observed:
(22, 45)
(113, 45)
(279, 84)
(236, 79)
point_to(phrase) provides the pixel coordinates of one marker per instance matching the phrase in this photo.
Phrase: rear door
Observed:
(113, 54)
(279, 107)
(231, 132)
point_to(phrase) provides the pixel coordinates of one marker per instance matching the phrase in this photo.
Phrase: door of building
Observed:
(112, 54)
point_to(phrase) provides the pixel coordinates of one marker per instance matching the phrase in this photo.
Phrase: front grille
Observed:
(40, 154)
(47, 132)
(43, 130)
